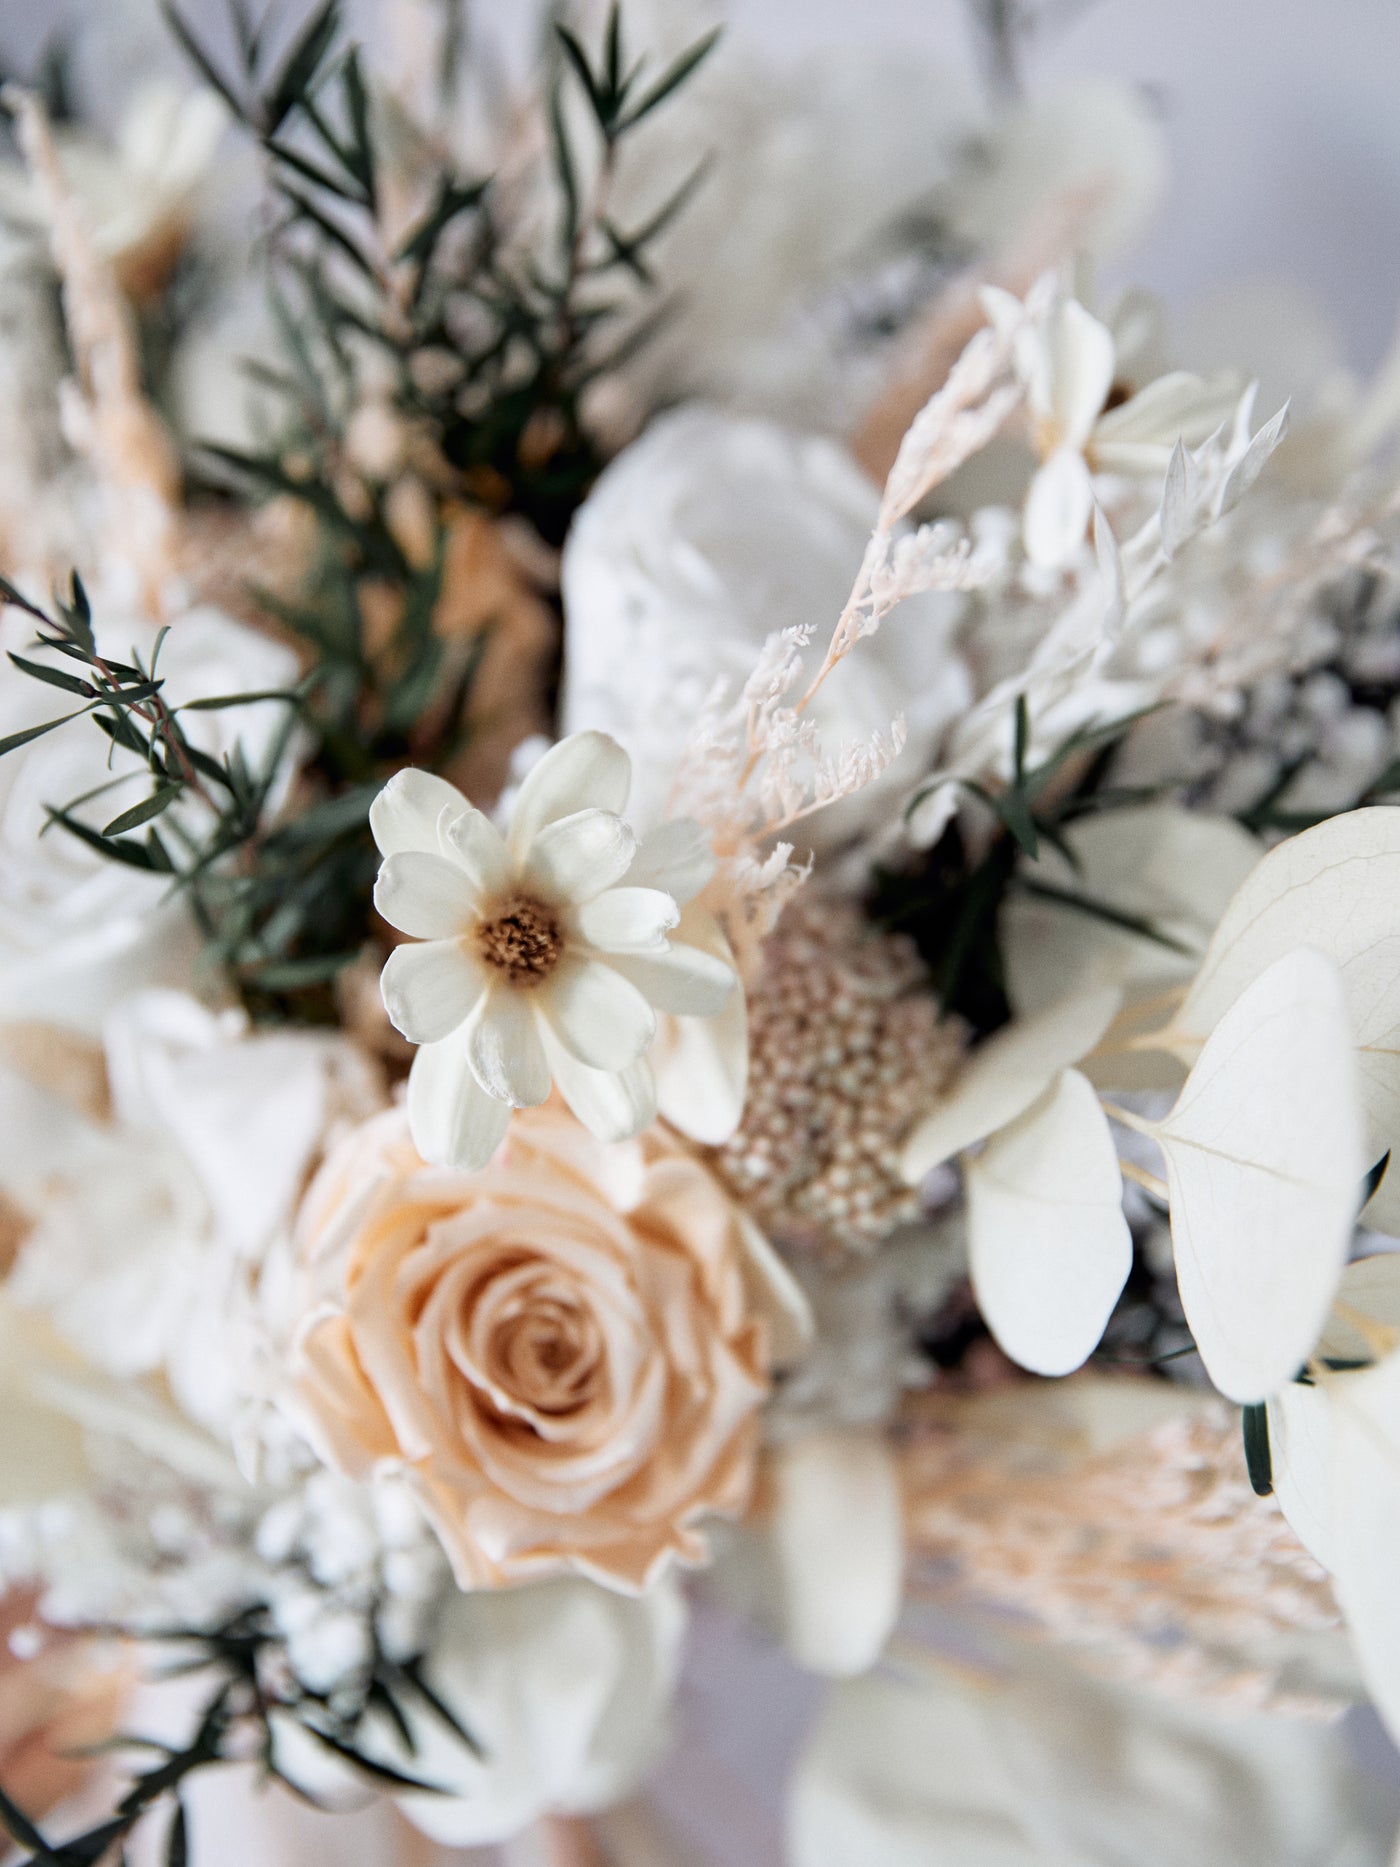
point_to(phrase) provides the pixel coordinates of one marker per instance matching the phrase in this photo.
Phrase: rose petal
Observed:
(586, 771)
(579, 857)
(676, 857)
(480, 848)
(405, 814)
(453, 1120)
(429, 990)
(504, 1048)
(596, 1014)
(425, 895)
(623, 919)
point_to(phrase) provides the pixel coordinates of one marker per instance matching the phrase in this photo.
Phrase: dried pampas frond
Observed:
(107, 417)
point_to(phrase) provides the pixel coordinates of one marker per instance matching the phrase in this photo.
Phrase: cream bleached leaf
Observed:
(837, 1536)
(1300, 1453)
(1173, 868)
(1264, 1155)
(1007, 1074)
(1049, 1245)
(1336, 888)
(1364, 1327)
(1365, 1529)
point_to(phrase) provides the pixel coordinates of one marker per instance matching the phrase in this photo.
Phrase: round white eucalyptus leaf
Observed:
(1007, 1074)
(1336, 888)
(1049, 1245)
(1264, 1154)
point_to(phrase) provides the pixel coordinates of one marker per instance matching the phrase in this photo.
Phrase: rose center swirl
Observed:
(522, 939)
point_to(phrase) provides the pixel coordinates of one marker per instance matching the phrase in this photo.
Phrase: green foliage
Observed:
(253, 1689)
(484, 346)
(950, 900)
(490, 339)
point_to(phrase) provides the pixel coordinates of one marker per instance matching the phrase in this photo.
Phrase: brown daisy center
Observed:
(523, 939)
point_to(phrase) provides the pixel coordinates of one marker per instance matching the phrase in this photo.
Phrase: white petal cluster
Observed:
(545, 957)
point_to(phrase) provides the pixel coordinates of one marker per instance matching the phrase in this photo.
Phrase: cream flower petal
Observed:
(405, 814)
(453, 1120)
(613, 1105)
(676, 857)
(425, 896)
(623, 919)
(596, 1014)
(429, 990)
(1081, 359)
(1058, 508)
(480, 848)
(683, 979)
(577, 857)
(585, 771)
(505, 1052)
(702, 1070)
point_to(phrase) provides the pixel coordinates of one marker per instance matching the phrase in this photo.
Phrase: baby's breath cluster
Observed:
(843, 1046)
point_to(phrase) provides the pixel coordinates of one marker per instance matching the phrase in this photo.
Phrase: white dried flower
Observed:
(544, 956)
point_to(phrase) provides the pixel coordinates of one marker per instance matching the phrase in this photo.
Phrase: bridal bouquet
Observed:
(698, 913)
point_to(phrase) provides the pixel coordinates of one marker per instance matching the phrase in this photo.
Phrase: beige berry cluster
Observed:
(847, 1049)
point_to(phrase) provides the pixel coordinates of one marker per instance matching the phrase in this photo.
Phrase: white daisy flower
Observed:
(543, 957)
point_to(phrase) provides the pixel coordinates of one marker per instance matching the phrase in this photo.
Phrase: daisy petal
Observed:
(578, 857)
(586, 771)
(676, 857)
(702, 1069)
(596, 1014)
(683, 979)
(613, 1105)
(424, 895)
(628, 919)
(405, 813)
(429, 990)
(480, 848)
(506, 1054)
(454, 1122)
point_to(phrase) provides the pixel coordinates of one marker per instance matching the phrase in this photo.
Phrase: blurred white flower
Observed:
(564, 1685)
(1085, 423)
(144, 1231)
(544, 957)
(700, 542)
(1033, 1764)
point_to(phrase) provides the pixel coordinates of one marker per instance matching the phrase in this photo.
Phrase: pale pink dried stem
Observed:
(131, 452)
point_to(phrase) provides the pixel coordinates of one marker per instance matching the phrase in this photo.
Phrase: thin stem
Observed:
(1141, 1177)
(1138, 1123)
